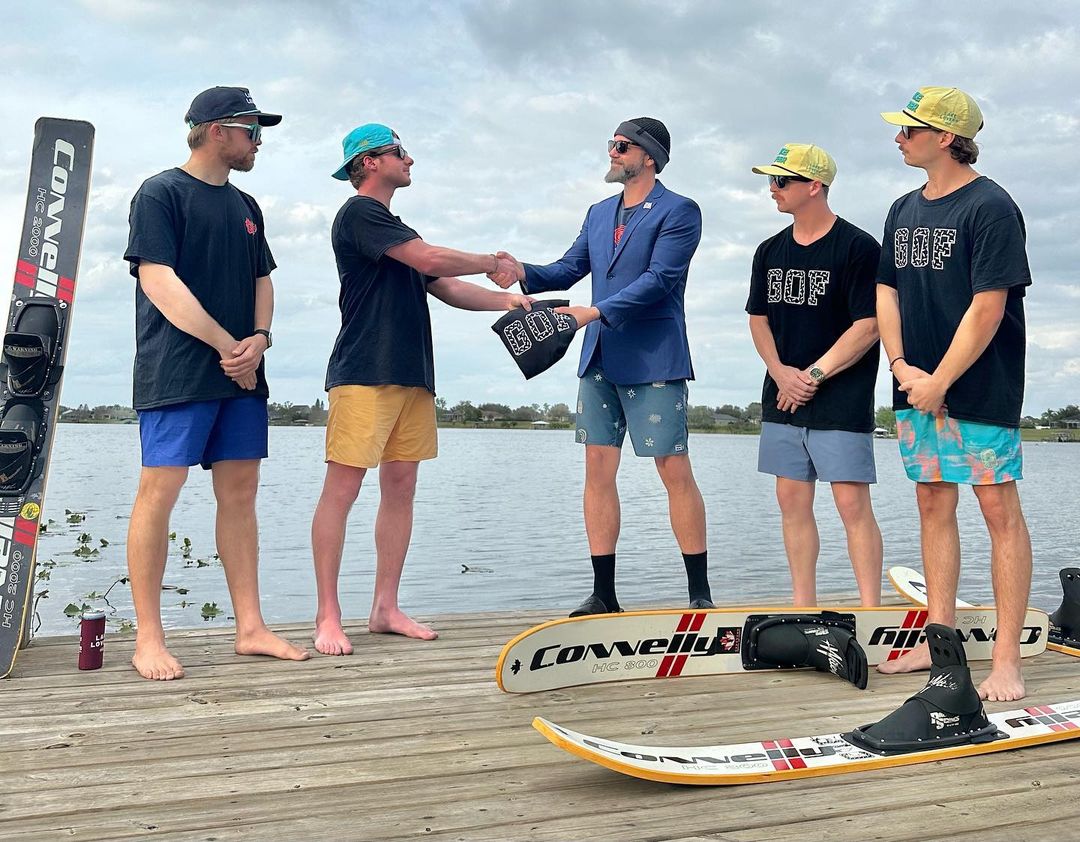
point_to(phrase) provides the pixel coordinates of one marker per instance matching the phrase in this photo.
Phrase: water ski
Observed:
(1063, 634)
(602, 648)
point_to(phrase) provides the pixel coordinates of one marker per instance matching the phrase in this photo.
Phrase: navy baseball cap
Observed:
(536, 339)
(218, 102)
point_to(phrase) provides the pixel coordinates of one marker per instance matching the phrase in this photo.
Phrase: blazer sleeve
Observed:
(563, 273)
(675, 245)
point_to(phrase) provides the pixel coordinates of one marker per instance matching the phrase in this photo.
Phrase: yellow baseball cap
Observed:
(802, 159)
(948, 109)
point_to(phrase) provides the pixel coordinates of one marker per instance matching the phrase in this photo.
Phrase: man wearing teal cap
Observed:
(812, 318)
(950, 305)
(381, 375)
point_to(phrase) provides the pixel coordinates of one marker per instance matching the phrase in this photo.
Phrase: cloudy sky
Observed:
(506, 106)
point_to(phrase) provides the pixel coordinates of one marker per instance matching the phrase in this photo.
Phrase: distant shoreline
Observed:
(1054, 435)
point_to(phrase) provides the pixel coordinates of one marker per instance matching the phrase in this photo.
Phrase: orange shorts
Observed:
(368, 425)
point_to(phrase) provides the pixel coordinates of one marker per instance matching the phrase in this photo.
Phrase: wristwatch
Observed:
(817, 375)
(270, 339)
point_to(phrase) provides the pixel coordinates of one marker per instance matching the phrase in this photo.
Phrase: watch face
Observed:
(817, 374)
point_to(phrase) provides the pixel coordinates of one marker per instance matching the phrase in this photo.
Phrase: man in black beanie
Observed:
(635, 359)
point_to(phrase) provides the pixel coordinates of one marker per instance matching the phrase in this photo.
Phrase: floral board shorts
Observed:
(937, 448)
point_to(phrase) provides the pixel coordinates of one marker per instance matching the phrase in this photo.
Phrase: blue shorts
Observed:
(937, 448)
(800, 453)
(655, 414)
(204, 432)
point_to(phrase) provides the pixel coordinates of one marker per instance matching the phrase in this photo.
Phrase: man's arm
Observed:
(675, 245)
(927, 392)
(466, 296)
(182, 309)
(796, 387)
(850, 347)
(439, 261)
(562, 274)
(249, 351)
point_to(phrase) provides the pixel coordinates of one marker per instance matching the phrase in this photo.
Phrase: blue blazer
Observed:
(638, 287)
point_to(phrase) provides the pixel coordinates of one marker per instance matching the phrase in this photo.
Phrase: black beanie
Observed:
(651, 135)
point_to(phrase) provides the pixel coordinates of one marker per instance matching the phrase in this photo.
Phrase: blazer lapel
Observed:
(646, 206)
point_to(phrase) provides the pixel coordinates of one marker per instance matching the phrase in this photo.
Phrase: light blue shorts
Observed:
(809, 455)
(654, 413)
(203, 432)
(942, 449)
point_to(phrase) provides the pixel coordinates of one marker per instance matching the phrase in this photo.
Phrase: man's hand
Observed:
(583, 315)
(787, 403)
(794, 383)
(515, 300)
(242, 361)
(924, 392)
(508, 270)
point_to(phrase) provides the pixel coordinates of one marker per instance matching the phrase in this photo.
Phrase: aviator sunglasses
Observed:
(621, 146)
(254, 130)
(782, 181)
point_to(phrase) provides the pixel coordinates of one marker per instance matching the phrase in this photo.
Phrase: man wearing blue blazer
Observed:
(635, 360)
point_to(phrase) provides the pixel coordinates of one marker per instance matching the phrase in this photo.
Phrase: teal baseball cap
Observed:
(363, 139)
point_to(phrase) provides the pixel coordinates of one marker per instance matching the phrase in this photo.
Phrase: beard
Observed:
(622, 173)
(243, 163)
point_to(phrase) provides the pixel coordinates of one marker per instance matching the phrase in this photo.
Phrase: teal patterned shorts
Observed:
(942, 449)
(654, 413)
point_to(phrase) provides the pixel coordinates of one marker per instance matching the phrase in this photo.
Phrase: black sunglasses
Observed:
(393, 150)
(782, 181)
(621, 146)
(907, 130)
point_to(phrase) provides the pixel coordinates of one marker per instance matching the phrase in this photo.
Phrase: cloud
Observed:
(506, 106)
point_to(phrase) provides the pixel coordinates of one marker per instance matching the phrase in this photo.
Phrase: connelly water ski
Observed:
(802, 757)
(1063, 634)
(34, 349)
(668, 644)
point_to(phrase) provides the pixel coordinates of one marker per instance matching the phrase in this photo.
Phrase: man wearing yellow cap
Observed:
(950, 304)
(812, 318)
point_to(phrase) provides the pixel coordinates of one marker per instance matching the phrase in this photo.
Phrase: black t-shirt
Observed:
(622, 219)
(212, 237)
(385, 336)
(937, 253)
(811, 295)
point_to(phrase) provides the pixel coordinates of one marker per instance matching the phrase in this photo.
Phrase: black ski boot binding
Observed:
(823, 641)
(31, 348)
(1065, 622)
(22, 435)
(946, 712)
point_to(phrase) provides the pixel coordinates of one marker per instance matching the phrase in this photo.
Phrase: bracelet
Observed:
(894, 361)
(496, 267)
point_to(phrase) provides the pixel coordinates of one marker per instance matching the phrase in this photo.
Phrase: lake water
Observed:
(510, 501)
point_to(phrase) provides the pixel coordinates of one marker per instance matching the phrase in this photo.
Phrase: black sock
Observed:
(697, 575)
(603, 572)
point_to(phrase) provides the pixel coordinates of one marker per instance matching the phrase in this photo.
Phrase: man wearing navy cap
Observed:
(381, 375)
(203, 305)
(635, 360)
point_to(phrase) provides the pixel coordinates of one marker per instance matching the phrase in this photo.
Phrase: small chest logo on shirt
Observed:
(914, 247)
(251, 226)
(791, 287)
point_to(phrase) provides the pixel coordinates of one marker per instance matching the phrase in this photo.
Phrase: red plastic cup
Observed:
(91, 640)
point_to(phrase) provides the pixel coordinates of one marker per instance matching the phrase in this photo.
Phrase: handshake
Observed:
(508, 270)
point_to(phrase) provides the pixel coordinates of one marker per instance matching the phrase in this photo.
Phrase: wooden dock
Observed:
(412, 740)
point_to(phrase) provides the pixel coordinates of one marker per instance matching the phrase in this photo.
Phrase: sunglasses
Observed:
(393, 150)
(907, 130)
(621, 146)
(782, 181)
(254, 130)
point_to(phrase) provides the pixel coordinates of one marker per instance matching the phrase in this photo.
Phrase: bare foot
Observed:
(1004, 684)
(155, 662)
(914, 661)
(330, 639)
(265, 642)
(398, 622)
